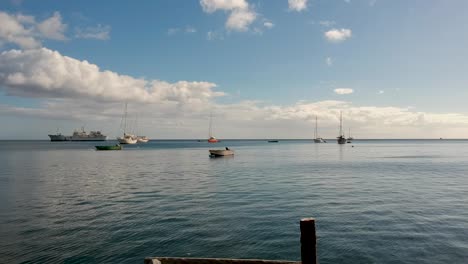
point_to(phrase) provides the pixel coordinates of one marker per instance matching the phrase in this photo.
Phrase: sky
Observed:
(262, 68)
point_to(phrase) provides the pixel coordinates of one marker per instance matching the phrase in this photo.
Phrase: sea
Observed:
(374, 201)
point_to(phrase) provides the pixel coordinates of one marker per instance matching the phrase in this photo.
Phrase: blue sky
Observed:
(265, 68)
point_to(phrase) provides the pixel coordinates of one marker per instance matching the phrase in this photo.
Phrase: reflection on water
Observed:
(69, 203)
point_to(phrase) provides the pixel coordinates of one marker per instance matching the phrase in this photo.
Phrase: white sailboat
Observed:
(140, 139)
(350, 138)
(126, 138)
(341, 138)
(317, 139)
(211, 138)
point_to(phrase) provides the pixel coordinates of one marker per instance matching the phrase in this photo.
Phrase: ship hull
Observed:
(59, 138)
(103, 138)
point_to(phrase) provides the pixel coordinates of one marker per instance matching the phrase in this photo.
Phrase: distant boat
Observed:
(142, 139)
(317, 139)
(273, 141)
(221, 152)
(113, 147)
(79, 136)
(350, 138)
(126, 138)
(211, 138)
(341, 138)
(59, 137)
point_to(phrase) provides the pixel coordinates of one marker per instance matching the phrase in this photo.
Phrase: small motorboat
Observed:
(221, 152)
(109, 147)
(273, 141)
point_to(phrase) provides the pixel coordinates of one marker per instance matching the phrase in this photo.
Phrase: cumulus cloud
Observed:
(338, 35)
(19, 30)
(342, 91)
(48, 74)
(240, 19)
(297, 5)
(27, 33)
(241, 14)
(98, 32)
(249, 119)
(52, 27)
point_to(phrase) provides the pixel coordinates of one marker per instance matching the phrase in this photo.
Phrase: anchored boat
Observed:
(112, 147)
(341, 138)
(221, 152)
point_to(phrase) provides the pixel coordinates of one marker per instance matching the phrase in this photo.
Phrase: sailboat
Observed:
(140, 139)
(341, 138)
(317, 139)
(126, 138)
(350, 138)
(211, 138)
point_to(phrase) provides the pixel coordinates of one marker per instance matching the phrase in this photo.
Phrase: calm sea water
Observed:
(385, 201)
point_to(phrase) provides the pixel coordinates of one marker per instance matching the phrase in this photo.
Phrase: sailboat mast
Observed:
(316, 124)
(210, 127)
(125, 118)
(341, 123)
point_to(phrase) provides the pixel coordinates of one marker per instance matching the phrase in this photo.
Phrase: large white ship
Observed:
(80, 136)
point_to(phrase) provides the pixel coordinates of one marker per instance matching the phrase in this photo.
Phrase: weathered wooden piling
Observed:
(308, 252)
(308, 241)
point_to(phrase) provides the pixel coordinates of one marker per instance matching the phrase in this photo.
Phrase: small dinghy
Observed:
(221, 152)
(112, 147)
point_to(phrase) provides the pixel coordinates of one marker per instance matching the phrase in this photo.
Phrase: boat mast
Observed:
(316, 124)
(210, 127)
(341, 123)
(125, 118)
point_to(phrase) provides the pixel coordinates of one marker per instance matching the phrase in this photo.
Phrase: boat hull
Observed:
(114, 147)
(102, 138)
(59, 138)
(142, 140)
(220, 152)
(341, 140)
(319, 140)
(127, 140)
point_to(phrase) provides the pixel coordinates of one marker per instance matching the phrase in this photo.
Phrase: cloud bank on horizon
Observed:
(71, 89)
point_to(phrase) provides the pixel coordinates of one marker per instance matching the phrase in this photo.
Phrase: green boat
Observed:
(113, 147)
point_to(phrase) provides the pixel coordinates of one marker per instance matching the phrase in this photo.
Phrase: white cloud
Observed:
(240, 19)
(329, 61)
(241, 14)
(214, 35)
(18, 30)
(52, 27)
(327, 23)
(297, 5)
(211, 6)
(25, 32)
(338, 35)
(98, 32)
(48, 74)
(268, 24)
(342, 91)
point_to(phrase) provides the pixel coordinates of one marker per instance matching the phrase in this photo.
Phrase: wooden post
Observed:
(308, 241)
